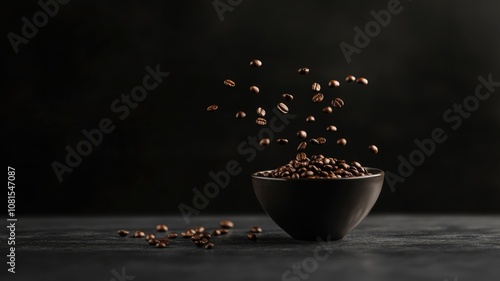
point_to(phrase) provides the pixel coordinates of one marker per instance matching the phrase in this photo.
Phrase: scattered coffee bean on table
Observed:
(350, 79)
(139, 234)
(223, 231)
(186, 234)
(240, 115)
(342, 142)
(255, 229)
(317, 98)
(310, 119)
(316, 87)
(261, 112)
(216, 232)
(264, 142)
(302, 134)
(123, 232)
(161, 228)
(303, 71)
(255, 63)
(230, 83)
(252, 236)
(261, 121)
(209, 246)
(287, 97)
(327, 110)
(172, 235)
(362, 80)
(226, 224)
(373, 149)
(338, 103)
(282, 107)
(302, 146)
(331, 128)
(282, 141)
(161, 245)
(212, 107)
(333, 84)
(199, 229)
(150, 236)
(153, 241)
(254, 89)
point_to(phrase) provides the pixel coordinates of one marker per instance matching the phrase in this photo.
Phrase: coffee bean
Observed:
(209, 246)
(287, 97)
(153, 241)
(161, 228)
(161, 245)
(261, 121)
(373, 149)
(333, 84)
(295, 176)
(216, 232)
(172, 235)
(362, 80)
(317, 98)
(314, 141)
(310, 119)
(230, 83)
(252, 236)
(191, 230)
(226, 224)
(264, 142)
(261, 112)
(302, 146)
(302, 134)
(283, 108)
(240, 115)
(301, 156)
(327, 110)
(204, 241)
(195, 237)
(205, 235)
(199, 243)
(331, 128)
(350, 79)
(223, 231)
(123, 232)
(338, 103)
(212, 107)
(139, 234)
(199, 229)
(255, 63)
(303, 70)
(186, 234)
(255, 229)
(150, 236)
(321, 140)
(342, 142)
(316, 87)
(282, 141)
(254, 89)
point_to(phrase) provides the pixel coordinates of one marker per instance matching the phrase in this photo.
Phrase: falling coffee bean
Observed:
(261, 112)
(342, 142)
(350, 79)
(240, 115)
(150, 236)
(317, 98)
(333, 84)
(338, 103)
(226, 224)
(261, 121)
(321, 140)
(316, 87)
(314, 141)
(310, 119)
(172, 235)
(282, 141)
(139, 234)
(252, 236)
(264, 142)
(287, 97)
(303, 71)
(255, 229)
(302, 146)
(327, 110)
(282, 107)
(254, 89)
(161, 228)
(373, 149)
(209, 246)
(362, 80)
(123, 232)
(255, 63)
(212, 107)
(230, 83)
(331, 128)
(302, 134)
(301, 156)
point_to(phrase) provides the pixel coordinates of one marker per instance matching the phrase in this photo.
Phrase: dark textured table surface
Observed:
(382, 247)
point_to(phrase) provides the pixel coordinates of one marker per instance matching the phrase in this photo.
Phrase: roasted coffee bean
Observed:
(342, 142)
(172, 235)
(123, 232)
(282, 107)
(212, 107)
(261, 121)
(302, 146)
(226, 224)
(287, 97)
(316, 87)
(204, 241)
(198, 243)
(264, 142)
(302, 134)
(191, 230)
(321, 140)
(301, 156)
(350, 79)
(254, 89)
(255, 229)
(216, 232)
(317, 98)
(303, 70)
(373, 149)
(139, 234)
(314, 141)
(164, 240)
(150, 236)
(205, 235)
(186, 234)
(282, 141)
(327, 109)
(252, 236)
(295, 176)
(199, 229)
(153, 241)
(310, 119)
(331, 128)
(209, 246)
(240, 115)
(195, 237)
(333, 84)
(255, 63)
(223, 231)
(261, 111)
(338, 103)
(229, 83)
(161, 245)
(161, 228)
(362, 80)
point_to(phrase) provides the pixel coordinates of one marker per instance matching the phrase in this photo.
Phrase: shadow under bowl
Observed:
(308, 209)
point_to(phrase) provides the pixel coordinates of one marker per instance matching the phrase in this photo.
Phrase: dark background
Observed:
(65, 79)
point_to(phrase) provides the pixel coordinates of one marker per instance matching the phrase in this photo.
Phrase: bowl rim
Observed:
(375, 172)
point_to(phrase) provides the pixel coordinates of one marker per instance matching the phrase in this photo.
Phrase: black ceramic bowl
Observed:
(309, 209)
